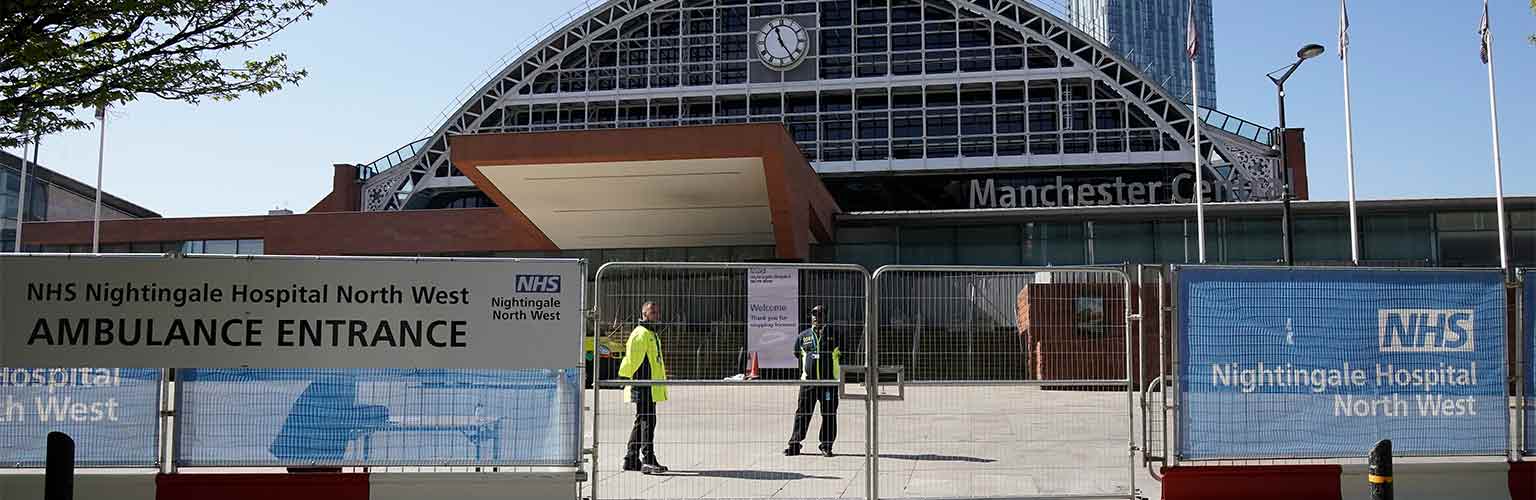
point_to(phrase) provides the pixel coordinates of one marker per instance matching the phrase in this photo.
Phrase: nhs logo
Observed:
(538, 283)
(1426, 330)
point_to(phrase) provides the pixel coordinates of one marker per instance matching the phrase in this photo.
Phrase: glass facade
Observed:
(885, 86)
(10, 192)
(218, 247)
(1151, 34)
(1039, 107)
(1402, 237)
(1412, 238)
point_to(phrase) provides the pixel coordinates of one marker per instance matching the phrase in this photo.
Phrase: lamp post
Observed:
(1287, 228)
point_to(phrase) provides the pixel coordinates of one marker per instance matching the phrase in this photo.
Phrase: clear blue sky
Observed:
(382, 70)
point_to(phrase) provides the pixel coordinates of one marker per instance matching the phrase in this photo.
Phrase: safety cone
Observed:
(752, 367)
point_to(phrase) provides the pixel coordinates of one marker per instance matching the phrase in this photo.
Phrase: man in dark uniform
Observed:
(820, 360)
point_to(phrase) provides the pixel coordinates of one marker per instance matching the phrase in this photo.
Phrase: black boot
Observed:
(826, 450)
(651, 466)
(632, 464)
(792, 450)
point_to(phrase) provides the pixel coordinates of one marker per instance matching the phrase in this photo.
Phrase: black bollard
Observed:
(1380, 474)
(59, 478)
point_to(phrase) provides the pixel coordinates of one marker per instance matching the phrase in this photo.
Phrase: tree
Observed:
(60, 56)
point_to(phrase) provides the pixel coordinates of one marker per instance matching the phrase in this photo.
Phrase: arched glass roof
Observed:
(887, 85)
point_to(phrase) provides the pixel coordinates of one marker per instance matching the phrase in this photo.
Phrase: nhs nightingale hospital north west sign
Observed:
(1316, 363)
(284, 312)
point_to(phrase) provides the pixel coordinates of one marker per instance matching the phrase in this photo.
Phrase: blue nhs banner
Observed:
(1318, 363)
(111, 413)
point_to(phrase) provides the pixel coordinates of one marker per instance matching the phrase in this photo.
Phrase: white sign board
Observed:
(206, 312)
(773, 315)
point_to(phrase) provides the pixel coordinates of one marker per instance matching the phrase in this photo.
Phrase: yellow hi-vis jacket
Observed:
(644, 348)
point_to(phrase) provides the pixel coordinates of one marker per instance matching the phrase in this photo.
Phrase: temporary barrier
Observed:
(290, 312)
(722, 435)
(1323, 362)
(293, 361)
(1018, 382)
(1525, 366)
(947, 382)
(113, 414)
(1153, 306)
(377, 417)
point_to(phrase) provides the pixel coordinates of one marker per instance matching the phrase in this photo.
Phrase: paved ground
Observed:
(971, 441)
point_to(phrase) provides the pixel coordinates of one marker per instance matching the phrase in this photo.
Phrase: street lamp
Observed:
(1287, 229)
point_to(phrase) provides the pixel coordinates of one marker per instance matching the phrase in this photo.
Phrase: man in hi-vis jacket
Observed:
(643, 361)
(820, 359)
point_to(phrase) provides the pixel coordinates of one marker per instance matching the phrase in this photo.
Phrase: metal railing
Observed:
(718, 426)
(1237, 126)
(971, 394)
(396, 157)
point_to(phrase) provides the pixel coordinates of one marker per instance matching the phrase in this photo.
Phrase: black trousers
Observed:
(642, 438)
(809, 396)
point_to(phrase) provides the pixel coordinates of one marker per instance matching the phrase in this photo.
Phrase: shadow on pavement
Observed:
(937, 458)
(760, 475)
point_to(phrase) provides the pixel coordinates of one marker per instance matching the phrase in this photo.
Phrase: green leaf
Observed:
(76, 55)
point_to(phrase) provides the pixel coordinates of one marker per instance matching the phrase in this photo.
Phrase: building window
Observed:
(1397, 239)
(1118, 243)
(225, 247)
(930, 246)
(1322, 240)
(1471, 239)
(988, 245)
(1064, 243)
(1253, 241)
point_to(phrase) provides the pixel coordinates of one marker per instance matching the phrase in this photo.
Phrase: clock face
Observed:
(782, 44)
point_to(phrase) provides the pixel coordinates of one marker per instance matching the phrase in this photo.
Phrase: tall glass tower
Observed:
(1151, 34)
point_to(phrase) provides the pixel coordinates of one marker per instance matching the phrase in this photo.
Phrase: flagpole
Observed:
(1192, 49)
(21, 197)
(1199, 164)
(1498, 162)
(101, 147)
(1349, 137)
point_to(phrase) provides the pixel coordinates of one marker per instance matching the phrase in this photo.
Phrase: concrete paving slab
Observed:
(941, 442)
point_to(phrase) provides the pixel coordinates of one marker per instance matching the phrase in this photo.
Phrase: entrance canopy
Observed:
(655, 187)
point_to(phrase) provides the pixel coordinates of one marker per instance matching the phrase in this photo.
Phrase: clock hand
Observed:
(780, 35)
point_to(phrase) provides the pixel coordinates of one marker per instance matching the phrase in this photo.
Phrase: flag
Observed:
(1343, 29)
(1192, 40)
(1485, 32)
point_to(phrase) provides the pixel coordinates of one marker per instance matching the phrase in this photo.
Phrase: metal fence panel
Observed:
(375, 417)
(1321, 363)
(722, 435)
(1018, 382)
(1527, 351)
(1155, 367)
(113, 415)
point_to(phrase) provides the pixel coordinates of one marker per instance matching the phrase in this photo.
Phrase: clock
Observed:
(782, 44)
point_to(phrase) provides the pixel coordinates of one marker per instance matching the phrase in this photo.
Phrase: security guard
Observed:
(643, 361)
(820, 359)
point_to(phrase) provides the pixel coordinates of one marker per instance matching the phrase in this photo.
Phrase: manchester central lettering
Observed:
(989, 193)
